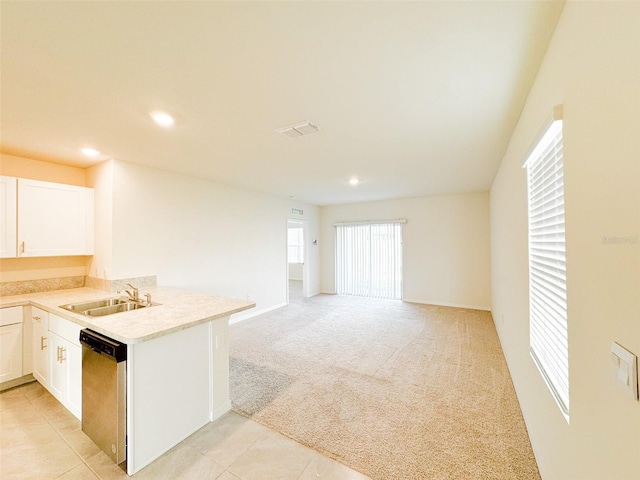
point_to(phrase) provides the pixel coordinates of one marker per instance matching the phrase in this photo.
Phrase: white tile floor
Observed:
(40, 439)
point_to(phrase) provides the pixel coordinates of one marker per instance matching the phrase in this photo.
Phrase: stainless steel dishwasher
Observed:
(104, 382)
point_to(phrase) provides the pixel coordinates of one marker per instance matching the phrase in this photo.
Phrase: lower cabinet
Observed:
(10, 343)
(65, 382)
(40, 345)
(11, 348)
(57, 358)
(65, 363)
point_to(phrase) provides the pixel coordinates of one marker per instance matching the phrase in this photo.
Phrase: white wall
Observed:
(592, 67)
(100, 177)
(199, 235)
(445, 246)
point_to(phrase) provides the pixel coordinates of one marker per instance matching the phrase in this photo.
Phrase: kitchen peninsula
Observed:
(177, 360)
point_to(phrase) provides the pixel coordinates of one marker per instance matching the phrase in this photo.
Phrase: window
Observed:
(369, 259)
(295, 245)
(547, 262)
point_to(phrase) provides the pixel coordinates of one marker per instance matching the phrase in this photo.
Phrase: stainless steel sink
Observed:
(81, 307)
(120, 307)
(107, 306)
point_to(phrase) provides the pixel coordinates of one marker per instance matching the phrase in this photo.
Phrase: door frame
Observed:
(305, 255)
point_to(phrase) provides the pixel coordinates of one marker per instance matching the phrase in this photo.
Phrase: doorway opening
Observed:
(296, 259)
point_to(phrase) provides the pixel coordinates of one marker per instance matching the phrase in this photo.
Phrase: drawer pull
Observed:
(37, 319)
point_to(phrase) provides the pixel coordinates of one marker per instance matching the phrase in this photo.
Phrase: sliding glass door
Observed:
(369, 259)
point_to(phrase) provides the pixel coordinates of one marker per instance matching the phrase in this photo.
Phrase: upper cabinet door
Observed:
(54, 219)
(8, 217)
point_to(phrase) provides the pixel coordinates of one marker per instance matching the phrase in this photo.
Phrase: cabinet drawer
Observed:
(10, 315)
(64, 328)
(40, 316)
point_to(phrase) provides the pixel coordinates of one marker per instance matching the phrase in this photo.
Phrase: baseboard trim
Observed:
(444, 304)
(221, 410)
(439, 304)
(16, 382)
(254, 313)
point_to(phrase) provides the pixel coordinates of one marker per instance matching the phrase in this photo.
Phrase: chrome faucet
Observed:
(134, 294)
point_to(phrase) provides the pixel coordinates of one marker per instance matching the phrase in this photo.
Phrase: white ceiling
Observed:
(415, 98)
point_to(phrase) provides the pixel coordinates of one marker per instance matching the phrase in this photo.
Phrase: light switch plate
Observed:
(626, 368)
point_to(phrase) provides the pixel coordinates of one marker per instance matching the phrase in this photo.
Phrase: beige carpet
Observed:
(390, 389)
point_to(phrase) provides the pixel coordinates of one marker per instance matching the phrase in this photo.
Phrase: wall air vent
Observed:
(297, 211)
(298, 130)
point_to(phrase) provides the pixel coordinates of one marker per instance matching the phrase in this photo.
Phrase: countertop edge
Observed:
(81, 320)
(78, 320)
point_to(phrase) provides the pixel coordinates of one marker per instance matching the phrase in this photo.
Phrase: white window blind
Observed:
(369, 260)
(547, 263)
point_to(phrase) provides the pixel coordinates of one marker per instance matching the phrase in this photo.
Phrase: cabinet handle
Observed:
(43, 343)
(37, 319)
(22, 247)
(62, 352)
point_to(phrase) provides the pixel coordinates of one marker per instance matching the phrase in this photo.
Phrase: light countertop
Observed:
(177, 310)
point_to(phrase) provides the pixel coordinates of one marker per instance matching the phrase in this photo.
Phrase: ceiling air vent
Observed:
(297, 211)
(298, 130)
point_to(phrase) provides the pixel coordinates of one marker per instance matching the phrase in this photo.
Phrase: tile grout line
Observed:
(82, 460)
(226, 469)
(40, 412)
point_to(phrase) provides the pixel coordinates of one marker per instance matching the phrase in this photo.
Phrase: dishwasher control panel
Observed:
(104, 345)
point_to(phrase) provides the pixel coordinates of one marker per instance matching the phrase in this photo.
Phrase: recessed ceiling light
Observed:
(163, 119)
(90, 152)
(354, 181)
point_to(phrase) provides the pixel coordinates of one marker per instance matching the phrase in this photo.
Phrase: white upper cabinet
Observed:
(54, 219)
(8, 217)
